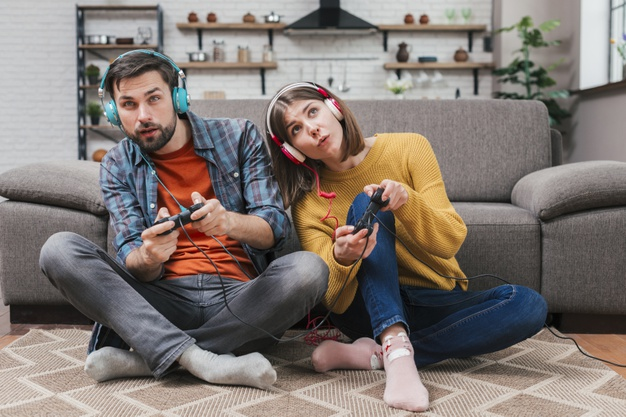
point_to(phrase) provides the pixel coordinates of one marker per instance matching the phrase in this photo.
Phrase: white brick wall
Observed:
(38, 62)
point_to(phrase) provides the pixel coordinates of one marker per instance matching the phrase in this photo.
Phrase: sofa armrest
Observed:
(569, 188)
(69, 184)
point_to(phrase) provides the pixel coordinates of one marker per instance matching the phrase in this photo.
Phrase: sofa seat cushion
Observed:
(502, 240)
(570, 188)
(68, 184)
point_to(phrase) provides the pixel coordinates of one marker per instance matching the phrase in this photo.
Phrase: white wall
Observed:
(38, 63)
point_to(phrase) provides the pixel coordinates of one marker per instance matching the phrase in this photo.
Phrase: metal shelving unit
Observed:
(102, 51)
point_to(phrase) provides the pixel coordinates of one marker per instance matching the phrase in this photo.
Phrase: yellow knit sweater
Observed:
(427, 223)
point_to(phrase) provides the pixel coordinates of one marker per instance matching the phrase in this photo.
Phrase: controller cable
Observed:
(278, 339)
(503, 280)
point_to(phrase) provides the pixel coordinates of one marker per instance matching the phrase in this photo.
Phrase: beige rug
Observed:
(41, 375)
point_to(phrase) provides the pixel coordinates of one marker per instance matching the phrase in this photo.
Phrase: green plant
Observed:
(94, 109)
(92, 70)
(533, 78)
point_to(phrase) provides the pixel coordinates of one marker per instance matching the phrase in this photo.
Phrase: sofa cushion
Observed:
(69, 184)
(569, 188)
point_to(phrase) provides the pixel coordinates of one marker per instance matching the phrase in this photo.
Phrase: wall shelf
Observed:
(474, 66)
(470, 29)
(201, 27)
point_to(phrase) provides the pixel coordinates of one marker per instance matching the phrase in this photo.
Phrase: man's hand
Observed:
(145, 263)
(348, 246)
(216, 222)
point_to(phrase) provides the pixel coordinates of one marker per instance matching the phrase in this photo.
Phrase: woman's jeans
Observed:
(161, 319)
(441, 324)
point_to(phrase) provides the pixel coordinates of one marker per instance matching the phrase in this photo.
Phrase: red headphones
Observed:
(289, 151)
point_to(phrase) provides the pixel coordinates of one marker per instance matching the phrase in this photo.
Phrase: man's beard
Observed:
(156, 142)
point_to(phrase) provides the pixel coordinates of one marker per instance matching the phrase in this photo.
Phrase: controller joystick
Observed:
(367, 220)
(180, 219)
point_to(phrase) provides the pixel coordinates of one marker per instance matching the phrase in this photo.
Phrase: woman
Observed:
(401, 285)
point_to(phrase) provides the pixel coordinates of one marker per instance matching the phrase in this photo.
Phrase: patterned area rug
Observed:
(42, 375)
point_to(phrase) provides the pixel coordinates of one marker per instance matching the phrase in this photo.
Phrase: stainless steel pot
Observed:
(198, 56)
(100, 39)
(272, 18)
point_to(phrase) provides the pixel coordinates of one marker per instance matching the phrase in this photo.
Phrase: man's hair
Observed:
(135, 64)
(295, 180)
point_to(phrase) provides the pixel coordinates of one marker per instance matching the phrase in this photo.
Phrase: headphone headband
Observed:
(290, 152)
(180, 97)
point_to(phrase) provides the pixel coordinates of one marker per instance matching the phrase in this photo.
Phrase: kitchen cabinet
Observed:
(467, 29)
(105, 51)
(261, 66)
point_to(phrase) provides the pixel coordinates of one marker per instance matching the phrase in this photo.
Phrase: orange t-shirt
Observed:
(183, 172)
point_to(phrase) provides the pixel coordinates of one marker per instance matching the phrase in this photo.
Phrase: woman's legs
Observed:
(453, 324)
(378, 297)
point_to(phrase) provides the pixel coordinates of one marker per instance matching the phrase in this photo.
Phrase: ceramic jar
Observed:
(424, 19)
(403, 52)
(249, 18)
(211, 17)
(192, 17)
(408, 19)
(461, 55)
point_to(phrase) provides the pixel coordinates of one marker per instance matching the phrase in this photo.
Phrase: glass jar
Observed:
(219, 53)
(268, 53)
(243, 54)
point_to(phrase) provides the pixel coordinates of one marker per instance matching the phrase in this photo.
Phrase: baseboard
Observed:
(48, 314)
(589, 323)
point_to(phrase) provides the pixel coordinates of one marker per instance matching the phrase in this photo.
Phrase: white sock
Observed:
(111, 363)
(251, 370)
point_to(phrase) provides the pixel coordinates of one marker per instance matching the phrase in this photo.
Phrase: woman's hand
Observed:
(348, 247)
(394, 192)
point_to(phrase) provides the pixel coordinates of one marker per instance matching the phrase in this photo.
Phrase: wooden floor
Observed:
(611, 347)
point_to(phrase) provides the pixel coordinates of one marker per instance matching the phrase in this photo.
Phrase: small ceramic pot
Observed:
(461, 55)
(408, 19)
(424, 19)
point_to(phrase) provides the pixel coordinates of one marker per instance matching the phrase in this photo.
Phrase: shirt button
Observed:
(236, 175)
(152, 205)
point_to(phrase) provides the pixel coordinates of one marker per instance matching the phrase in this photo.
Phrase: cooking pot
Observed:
(198, 56)
(100, 39)
(272, 18)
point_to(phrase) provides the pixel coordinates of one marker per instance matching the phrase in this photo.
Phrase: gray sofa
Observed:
(557, 228)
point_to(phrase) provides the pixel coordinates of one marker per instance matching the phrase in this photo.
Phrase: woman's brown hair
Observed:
(296, 180)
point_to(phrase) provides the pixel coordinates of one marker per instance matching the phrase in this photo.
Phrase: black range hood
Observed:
(330, 19)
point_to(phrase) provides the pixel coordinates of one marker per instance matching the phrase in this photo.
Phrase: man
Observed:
(177, 294)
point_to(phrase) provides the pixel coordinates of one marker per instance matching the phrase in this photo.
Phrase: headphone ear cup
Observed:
(110, 111)
(334, 108)
(292, 153)
(180, 98)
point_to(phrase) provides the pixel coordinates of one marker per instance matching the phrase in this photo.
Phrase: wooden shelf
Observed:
(231, 26)
(437, 65)
(227, 65)
(102, 7)
(474, 66)
(200, 27)
(432, 28)
(470, 29)
(110, 46)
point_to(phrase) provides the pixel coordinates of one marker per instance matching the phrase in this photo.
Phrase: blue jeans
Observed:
(161, 319)
(441, 324)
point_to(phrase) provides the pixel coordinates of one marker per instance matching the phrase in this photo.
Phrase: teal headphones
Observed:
(180, 97)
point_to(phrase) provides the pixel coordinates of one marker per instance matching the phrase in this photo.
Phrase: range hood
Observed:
(330, 19)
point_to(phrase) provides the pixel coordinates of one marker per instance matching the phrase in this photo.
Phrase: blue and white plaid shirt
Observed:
(239, 167)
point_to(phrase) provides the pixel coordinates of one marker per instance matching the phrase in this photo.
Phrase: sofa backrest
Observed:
(483, 146)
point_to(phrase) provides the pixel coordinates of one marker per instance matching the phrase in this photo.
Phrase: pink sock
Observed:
(404, 389)
(363, 353)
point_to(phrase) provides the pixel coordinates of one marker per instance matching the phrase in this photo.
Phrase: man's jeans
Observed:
(161, 319)
(441, 324)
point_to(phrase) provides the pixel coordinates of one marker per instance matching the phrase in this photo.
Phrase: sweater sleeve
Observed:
(430, 223)
(317, 237)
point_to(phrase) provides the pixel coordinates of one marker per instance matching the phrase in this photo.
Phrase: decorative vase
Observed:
(461, 55)
(192, 17)
(409, 19)
(424, 19)
(403, 52)
(211, 17)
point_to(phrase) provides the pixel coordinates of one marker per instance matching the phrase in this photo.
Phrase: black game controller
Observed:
(367, 221)
(180, 219)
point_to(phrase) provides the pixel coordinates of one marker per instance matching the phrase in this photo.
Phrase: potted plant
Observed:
(533, 78)
(93, 73)
(94, 111)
